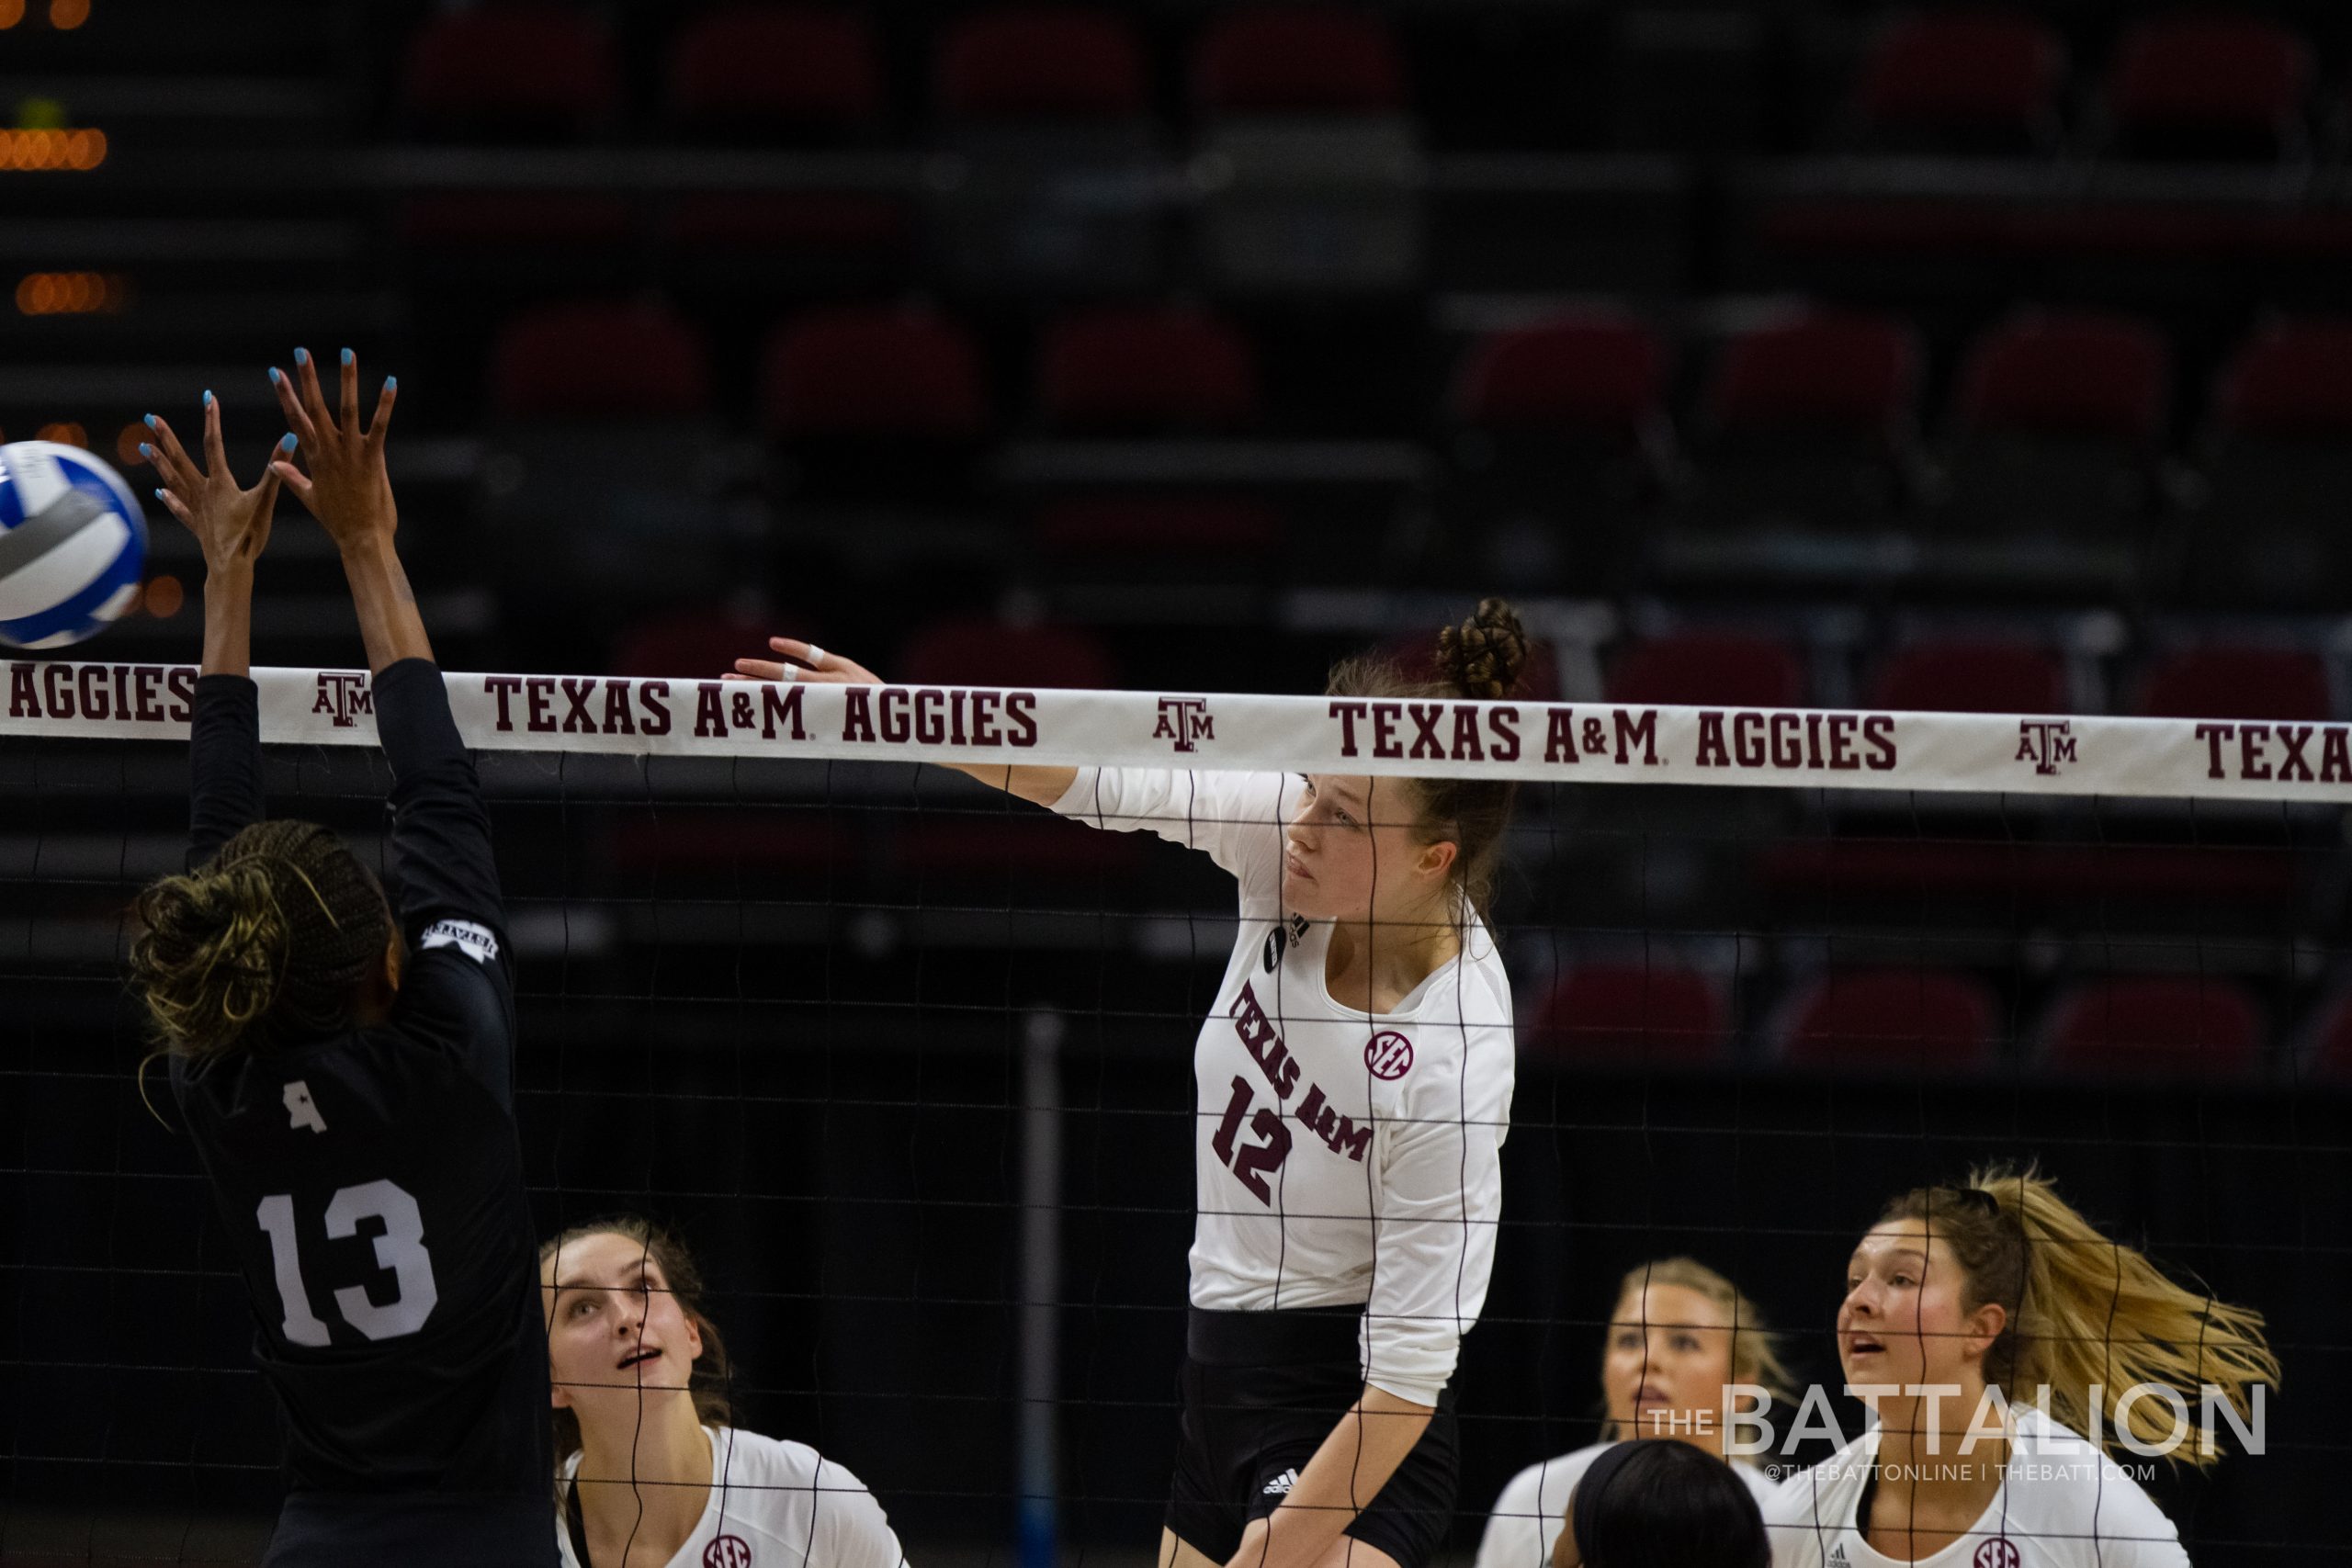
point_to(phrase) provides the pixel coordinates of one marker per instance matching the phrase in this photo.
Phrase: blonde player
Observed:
(1999, 1284)
(1680, 1335)
(1352, 1086)
(650, 1471)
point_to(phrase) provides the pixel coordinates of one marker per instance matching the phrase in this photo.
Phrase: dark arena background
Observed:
(1783, 355)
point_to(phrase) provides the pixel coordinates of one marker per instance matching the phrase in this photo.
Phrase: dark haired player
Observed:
(346, 1076)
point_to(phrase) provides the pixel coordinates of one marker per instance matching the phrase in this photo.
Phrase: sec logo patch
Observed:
(727, 1551)
(1996, 1554)
(1388, 1055)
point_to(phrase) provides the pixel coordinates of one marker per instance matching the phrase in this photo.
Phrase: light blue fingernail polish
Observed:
(391, 383)
(208, 399)
(151, 422)
(287, 443)
(276, 376)
(159, 495)
(301, 356)
(348, 356)
(145, 450)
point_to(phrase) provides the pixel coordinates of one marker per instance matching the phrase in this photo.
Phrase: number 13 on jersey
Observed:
(400, 1251)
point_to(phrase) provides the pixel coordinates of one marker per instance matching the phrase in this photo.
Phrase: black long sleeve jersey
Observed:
(372, 1183)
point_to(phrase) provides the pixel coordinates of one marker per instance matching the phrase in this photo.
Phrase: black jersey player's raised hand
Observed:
(230, 522)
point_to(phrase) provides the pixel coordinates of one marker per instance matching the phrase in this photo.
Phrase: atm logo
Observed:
(2047, 743)
(1184, 721)
(343, 695)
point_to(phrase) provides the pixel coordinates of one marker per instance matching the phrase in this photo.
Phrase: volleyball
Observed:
(72, 545)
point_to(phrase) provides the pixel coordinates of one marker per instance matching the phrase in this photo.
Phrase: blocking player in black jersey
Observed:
(344, 1069)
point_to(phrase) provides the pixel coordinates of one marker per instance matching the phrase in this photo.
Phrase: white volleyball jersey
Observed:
(1342, 1158)
(773, 1505)
(2062, 1504)
(1533, 1509)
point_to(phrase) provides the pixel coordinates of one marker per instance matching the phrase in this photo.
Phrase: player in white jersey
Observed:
(650, 1471)
(1999, 1285)
(1681, 1335)
(1353, 1087)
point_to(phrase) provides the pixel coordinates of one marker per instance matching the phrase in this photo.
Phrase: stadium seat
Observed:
(519, 70)
(1712, 669)
(2224, 680)
(1909, 1021)
(1808, 423)
(2056, 429)
(776, 73)
(2210, 84)
(2156, 1026)
(598, 360)
(1592, 377)
(1149, 368)
(1219, 539)
(965, 652)
(1311, 60)
(2277, 467)
(1304, 110)
(1631, 1015)
(872, 371)
(1971, 675)
(1048, 62)
(1962, 79)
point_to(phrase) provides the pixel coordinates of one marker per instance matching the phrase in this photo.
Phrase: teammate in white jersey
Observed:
(1681, 1335)
(650, 1471)
(1999, 1284)
(1354, 1088)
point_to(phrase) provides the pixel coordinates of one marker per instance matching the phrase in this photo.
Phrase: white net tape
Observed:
(1560, 742)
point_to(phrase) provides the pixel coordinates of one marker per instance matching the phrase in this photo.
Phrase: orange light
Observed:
(126, 444)
(164, 597)
(67, 14)
(11, 13)
(70, 293)
(65, 431)
(42, 150)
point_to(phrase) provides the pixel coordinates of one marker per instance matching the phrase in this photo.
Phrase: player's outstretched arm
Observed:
(231, 527)
(814, 665)
(348, 491)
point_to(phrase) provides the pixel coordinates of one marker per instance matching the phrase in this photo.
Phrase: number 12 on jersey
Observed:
(400, 1251)
(1251, 1161)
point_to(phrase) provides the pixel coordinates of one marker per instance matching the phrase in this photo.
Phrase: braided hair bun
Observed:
(1482, 656)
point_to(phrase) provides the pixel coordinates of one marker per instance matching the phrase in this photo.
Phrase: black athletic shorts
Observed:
(1261, 1390)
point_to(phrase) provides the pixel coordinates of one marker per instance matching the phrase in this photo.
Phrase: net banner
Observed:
(1560, 742)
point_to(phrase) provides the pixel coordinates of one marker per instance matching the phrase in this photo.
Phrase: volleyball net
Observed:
(908, 1062)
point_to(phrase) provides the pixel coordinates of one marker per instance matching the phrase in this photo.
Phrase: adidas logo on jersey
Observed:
(1837, 1556)
(1280, 1484)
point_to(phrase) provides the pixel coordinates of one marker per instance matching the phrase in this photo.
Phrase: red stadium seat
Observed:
(2173, 1025)
(1847, 375)
(994, 653)
(522, 68)
(1232, 530)
(1298, 60)
(1042, 62)
(702, 644)
(2291, 382)
(1599, 376)
(1966, 78)
(1631, 1015)
(1928, 1020)
(597, 360)
(1118, 368)
(2225, 681)
(2210, 83)
(1713, 669)
(2104, 377)
(1971, 675)
(862, 370)
(776, 67)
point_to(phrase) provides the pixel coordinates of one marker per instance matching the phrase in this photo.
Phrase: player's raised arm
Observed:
(806, 662)
(231, 527)
(348, 491)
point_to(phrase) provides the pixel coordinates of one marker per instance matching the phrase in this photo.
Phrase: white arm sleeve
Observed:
(1236, 818)
(851, 1531)
(1435, 1210)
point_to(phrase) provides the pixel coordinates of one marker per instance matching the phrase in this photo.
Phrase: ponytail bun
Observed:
(212, 956)
(1482, 656)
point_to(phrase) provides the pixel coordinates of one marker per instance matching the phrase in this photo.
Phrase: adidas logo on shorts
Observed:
(1280, 1484)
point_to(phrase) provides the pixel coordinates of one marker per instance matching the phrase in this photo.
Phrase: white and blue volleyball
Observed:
(72, 545)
